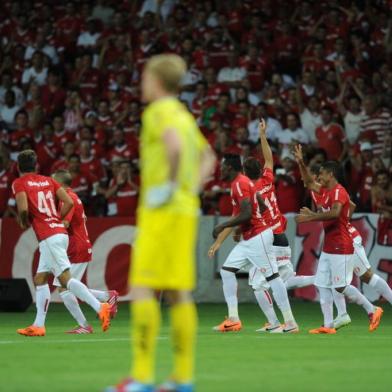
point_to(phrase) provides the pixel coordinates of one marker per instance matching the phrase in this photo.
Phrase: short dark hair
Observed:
(73, 156)
(315, 169)
(233, 160)
(320, 151)
(63, 177)
(27, 161)
(328, 109)
(332, 167)
(382, 172)
(252, 168)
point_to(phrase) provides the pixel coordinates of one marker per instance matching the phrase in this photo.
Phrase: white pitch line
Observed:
(43, 340)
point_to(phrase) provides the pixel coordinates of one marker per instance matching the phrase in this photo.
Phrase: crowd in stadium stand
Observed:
(319, 72)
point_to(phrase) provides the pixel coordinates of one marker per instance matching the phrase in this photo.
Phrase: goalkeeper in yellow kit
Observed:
(175, 161)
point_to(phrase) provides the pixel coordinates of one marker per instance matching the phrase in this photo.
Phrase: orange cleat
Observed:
(229, 326)
(32, 331)
(375, 318)
(104, 316)
(323, 330)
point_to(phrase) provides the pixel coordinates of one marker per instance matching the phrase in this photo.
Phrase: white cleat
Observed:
(268, 328)
(341, 321)
(288, 328)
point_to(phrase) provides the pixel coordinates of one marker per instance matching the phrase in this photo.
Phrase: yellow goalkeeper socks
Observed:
(146, 318)
(184, 325)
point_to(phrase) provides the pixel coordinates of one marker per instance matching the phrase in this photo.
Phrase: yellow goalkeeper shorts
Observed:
(163, 255)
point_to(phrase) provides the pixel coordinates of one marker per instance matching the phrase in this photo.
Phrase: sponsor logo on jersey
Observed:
(39, 183)
(54, 225)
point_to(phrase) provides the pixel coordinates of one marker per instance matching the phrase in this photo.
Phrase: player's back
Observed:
(265, 188)
(79, 248)
(241, 189)
(337, 237)
(169, 113)
(41, 196)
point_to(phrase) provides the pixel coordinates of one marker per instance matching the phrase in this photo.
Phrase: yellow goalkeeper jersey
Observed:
(163, 114)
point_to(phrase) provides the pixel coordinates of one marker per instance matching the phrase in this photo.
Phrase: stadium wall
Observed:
(112, 240)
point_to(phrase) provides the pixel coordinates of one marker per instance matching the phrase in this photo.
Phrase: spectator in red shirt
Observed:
(381, 195)
(123, 192)
(86, 78)
(47, 149)
(68, 27)
(317, 63)
(52, 94)
(61, 136)
(120, 148)
(89, 163)
(362, 175)
(289, 188)
(216, 198)
(22, 131)
(63, 162)
(214, 89)
(331, 137)
(6, 179)
(376, 126)
(83, 184)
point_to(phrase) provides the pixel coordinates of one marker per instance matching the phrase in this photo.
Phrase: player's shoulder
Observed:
(242, 179)
(341, 188)
(73, 195)
(263, 185)
(268, 173)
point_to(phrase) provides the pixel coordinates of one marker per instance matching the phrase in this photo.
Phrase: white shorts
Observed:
(77, 272)
(360, 261)
(258, 282)
(334, 271)
(53, 255)
(283, 255)
(257, 252)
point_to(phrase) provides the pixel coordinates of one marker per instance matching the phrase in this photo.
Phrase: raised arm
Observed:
(307, 178)
(265, 147)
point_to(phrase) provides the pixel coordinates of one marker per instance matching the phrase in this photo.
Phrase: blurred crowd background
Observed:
(319, 72)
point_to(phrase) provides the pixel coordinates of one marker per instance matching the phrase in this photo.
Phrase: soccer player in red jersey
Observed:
(80, 254)
(35, 197)
(254, 250)
(335, 271)
(264, 194)
(361, 265)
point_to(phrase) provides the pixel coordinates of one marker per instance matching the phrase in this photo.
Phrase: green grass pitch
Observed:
(352, 360)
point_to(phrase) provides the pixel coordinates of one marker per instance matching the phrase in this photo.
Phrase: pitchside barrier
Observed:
(112, 240)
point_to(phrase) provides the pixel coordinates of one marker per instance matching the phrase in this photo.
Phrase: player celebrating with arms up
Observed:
(35, 197)
(335, 271)
(256, 248)
(79, 253)
(264, 190)
(175, 161)
(360, 263)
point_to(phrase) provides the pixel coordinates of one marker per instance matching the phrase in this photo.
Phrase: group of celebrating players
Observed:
(264, 247)
(176, 162)
(57, 217)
